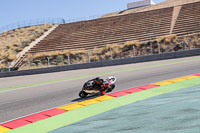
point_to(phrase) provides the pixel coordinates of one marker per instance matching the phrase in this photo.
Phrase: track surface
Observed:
(23, 101)
(175, 112)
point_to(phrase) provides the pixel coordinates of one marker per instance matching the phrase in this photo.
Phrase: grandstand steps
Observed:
(175, 17)
(123, 34)
(100, 42)
(119, 32)
(123, 27)
(189, 27)
(183, 32)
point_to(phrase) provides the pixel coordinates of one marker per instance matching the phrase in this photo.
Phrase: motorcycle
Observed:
(89, 89)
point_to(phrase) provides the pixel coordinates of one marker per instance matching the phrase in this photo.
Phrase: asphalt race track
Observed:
(25, 95)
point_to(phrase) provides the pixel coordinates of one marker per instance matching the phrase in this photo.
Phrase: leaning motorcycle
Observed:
(88, 89)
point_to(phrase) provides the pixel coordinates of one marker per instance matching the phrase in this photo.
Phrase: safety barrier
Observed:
(164, 56)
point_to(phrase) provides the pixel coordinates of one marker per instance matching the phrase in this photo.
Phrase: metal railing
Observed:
(40, 21)
(32, 22)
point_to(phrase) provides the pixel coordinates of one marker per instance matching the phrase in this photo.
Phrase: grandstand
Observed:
(97, 33)
(180, 17)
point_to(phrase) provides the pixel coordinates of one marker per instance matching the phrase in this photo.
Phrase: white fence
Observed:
(140, 4)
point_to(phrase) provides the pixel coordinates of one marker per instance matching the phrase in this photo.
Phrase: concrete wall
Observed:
(147, 58)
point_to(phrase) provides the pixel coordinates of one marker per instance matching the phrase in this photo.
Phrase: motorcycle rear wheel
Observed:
(82, 94)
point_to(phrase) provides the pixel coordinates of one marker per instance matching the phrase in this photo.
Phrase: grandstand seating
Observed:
(97, 33)
(188, 21)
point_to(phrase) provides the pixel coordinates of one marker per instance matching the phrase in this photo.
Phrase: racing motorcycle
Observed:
(89, 89)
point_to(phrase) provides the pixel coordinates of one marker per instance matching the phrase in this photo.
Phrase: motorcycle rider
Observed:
(98, 84)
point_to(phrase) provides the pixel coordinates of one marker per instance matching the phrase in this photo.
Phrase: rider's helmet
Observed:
(98, 80)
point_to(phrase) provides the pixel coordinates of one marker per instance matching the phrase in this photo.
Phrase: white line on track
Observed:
(15, 89)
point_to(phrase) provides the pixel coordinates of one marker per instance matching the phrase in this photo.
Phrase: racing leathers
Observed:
(98, 84)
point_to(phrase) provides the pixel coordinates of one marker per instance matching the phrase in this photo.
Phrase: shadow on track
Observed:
(86, 98)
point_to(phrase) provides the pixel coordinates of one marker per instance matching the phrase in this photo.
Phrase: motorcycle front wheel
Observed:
(111, 88)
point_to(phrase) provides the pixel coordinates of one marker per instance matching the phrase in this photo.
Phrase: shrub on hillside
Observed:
(14, 41)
